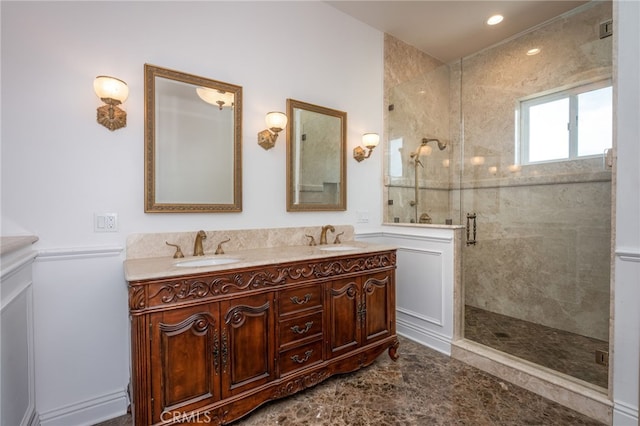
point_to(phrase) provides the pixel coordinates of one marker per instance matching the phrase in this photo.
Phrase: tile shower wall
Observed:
(418, 97)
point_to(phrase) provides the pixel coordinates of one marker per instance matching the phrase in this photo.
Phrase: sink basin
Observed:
(339, 248)
(207, 261)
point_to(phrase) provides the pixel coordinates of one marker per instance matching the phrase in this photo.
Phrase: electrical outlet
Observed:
(105, 222)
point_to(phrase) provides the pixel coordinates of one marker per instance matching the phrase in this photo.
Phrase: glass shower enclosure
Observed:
(525, 169)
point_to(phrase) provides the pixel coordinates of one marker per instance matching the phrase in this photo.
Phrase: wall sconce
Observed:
(370, 141)
(112, 92)
(276, 121)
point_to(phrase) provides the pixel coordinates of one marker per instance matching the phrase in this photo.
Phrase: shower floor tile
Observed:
(559, 350)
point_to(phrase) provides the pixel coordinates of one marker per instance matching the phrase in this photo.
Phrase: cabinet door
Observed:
(184, 364)
(378, 292)
(344, 313)
(248, 342)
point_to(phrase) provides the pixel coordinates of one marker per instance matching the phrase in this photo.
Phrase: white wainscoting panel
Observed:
(81, 335)
(424, 282)
(17, 391)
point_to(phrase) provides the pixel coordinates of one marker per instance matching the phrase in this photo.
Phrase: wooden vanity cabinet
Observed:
(199, 354)
(209, 348)
(361, 311)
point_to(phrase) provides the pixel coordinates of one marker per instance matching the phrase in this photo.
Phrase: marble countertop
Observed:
(165, 267)
(15, 243)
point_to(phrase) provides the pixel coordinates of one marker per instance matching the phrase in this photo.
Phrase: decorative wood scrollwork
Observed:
(350, 290)
(137, 298)
(236, 316)
(300, 383)
(369, 286)
(198, 323)
(192, 289)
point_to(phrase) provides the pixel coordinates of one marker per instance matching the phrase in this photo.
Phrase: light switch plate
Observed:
(362, 216)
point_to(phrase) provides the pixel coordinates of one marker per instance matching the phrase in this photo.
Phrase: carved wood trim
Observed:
(236, 316)
(371, 283)
(199, 323)
(300, 383)
(147, 295)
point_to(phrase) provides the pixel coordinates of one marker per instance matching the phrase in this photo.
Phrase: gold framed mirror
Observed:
(193, 143)
(316, 158)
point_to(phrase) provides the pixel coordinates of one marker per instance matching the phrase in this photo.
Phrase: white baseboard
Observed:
(624, 415)
(88, 412)
(423, 336)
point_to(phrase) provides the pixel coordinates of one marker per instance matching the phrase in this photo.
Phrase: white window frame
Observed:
(522, 119)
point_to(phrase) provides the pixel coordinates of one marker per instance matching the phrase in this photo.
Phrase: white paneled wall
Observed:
(17, 391)
(82, 335)
(424, 282)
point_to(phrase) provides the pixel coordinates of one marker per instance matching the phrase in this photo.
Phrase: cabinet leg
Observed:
(393, 350)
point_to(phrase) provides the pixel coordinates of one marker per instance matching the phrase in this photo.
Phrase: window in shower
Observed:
(566, 125)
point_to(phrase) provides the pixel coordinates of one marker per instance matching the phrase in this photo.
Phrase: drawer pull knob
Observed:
(297, 329)
(307, 298)
(307, 355)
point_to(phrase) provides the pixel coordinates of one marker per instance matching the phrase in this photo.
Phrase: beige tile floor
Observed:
(423, 388)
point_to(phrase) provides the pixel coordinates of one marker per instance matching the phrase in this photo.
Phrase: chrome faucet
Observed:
(197, 246)
(323, 234)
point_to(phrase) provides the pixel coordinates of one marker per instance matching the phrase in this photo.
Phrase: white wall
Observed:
(59, 166)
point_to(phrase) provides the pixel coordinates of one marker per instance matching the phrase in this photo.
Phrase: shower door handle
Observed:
(471, 235)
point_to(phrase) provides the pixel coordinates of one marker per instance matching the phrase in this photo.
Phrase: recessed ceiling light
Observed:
(495, 19)
(533, 51)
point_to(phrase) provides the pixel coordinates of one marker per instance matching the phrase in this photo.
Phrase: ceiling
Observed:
(449, 30)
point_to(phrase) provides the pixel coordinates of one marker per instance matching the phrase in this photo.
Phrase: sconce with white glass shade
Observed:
(276, 121)
(370, 141)
(113, 92)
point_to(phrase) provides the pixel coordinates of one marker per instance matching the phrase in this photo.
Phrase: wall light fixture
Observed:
(276, 121)
(112, 92)
(370, 141)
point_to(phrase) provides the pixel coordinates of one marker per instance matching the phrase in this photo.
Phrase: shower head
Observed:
(441, 145)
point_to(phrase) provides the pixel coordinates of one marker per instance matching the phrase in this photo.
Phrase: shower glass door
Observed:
(535, 190)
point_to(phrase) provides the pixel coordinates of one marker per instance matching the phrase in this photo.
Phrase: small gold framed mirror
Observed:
(316, 158)
(193, 143)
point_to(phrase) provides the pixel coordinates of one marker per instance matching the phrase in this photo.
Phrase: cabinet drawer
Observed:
(300, 299)
(301, 328)
(301, 357)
